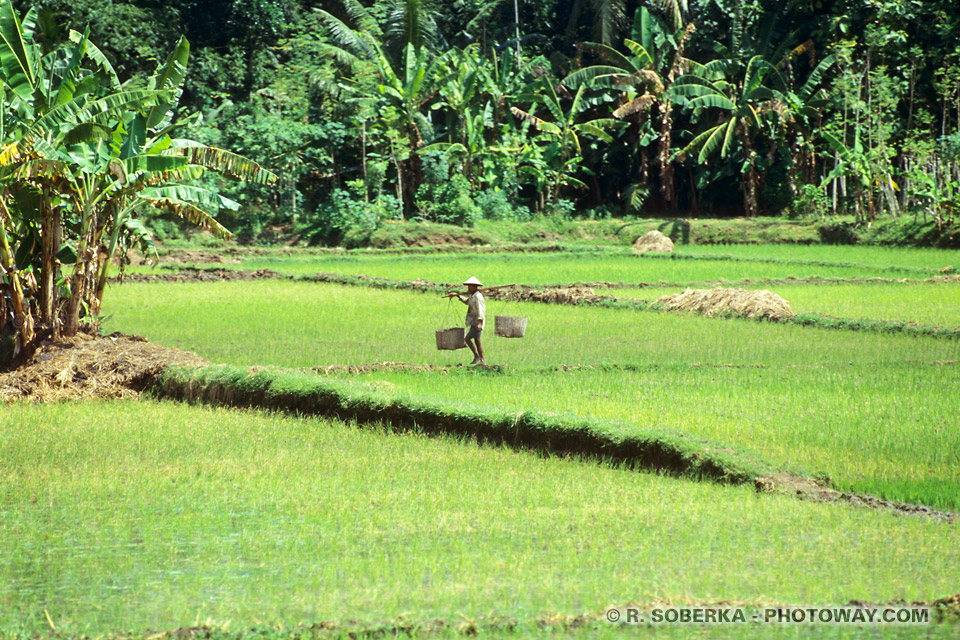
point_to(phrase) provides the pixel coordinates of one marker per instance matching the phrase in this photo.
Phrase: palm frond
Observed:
(192, 214)
(188, 193)
(635, 195)
(361, 17)
(345, 37)
(813, 80)
(169, 76)
(102, 111)
(728, 137)
(538, 123)
(598, 75)
(609, 55)
(16, 56)
(644, 56)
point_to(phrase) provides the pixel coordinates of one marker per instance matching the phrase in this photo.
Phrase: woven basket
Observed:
(450, 339)
(509, 326)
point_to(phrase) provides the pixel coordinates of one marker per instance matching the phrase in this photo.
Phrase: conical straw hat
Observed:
(473, 280)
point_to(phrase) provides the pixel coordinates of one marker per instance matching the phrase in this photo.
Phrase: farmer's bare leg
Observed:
(476, 355)
(479, 352)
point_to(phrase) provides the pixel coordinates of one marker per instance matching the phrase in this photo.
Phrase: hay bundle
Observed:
(653, 242)
(85, 366)
(553, 295)
(736, 302)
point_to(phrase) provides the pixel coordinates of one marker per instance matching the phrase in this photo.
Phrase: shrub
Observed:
(563, 209)
(446, 200)
(811, 200)
(495, 205)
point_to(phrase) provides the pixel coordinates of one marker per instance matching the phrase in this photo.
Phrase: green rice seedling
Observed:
(561, 268)
(137, 517)
(303, 324)
(794, 395)
(886, 430)
(878, 256)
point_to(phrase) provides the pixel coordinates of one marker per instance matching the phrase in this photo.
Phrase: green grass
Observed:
(561, 268)
(816, 401)
(303, 324)
(924, 303)
(887, 431)
(129, 516)
(908, 257)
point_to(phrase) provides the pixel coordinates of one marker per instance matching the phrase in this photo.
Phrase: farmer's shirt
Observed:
(476, 309)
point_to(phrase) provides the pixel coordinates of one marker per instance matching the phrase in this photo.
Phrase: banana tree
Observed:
(643, 79)
(19, 60)
(97, 153)
(865, 168)
(561, 137)
(738, 110)
(406, 85)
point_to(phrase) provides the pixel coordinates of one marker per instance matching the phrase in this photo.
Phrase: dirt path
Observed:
(206, 275)
(809, 489)
(213, 274)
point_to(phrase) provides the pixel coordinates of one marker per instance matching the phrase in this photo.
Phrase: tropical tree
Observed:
(82, 157)
(407, 86)
(563, 149)
(738, 109)
(610, 16)
(643, 79)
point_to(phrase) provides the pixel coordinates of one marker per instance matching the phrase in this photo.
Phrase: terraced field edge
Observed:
(657, 449)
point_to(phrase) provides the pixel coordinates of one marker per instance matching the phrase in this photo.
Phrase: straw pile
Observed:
(653, 242)
(206, 275)
(85, 366)
(553, 295)
(733, 302)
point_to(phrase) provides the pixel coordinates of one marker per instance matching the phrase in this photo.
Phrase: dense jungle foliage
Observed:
(452, 110)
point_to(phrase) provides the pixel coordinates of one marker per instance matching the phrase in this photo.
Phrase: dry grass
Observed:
(553, 295)
(85, 366)
(737, 302)
(653, 242)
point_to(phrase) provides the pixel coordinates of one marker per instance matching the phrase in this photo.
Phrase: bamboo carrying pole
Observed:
(451, 294)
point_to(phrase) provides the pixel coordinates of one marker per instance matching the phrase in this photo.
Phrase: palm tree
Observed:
(406, 85)
(609, 16)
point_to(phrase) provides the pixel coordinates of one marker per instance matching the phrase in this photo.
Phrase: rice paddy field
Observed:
(910, 301)
(144, 516)
(595, 266)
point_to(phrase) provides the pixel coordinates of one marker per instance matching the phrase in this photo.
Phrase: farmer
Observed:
(476, 312)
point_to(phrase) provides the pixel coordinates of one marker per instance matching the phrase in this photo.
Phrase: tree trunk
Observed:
(750, 193)
(21, 311)
(667, 180)
(48, 252)
(749, 185)
(85, 257)
(694, 204)
(403, 204)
